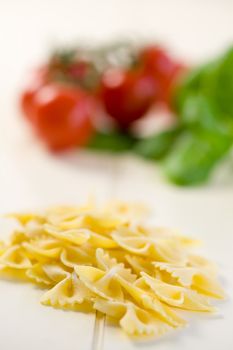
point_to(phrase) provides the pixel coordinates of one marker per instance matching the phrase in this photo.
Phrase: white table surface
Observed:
(31, 178)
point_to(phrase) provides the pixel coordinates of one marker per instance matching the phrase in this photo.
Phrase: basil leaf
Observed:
(111, 142)
(204, 105)
(157, 146)
(195, 155)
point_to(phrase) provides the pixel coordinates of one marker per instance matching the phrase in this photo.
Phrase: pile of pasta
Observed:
(106, 258)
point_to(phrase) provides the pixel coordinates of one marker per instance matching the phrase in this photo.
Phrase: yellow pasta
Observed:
(103, 284)
(72, 256)
(107, 259)
(37, 274)
(181, 297)
(75, 236)
(139, 264)
(69, 292)
(41, 253)
(106, 263)
(133, 319)
(156, 248)
(149, 301)
(197, 278)
(15, 257)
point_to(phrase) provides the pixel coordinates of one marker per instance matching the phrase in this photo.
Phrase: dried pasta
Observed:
(107, 258)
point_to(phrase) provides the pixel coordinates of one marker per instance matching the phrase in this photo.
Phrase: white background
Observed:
(30, 177)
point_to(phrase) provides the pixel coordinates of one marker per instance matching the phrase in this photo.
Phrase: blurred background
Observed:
(193, 32)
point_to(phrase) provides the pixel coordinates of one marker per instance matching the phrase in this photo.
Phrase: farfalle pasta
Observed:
(108, 259)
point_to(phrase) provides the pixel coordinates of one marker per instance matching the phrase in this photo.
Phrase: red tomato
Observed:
(38, 79)
(78, 70)
(163, 68)
(62, 116)
(127, 95)
(157, 60)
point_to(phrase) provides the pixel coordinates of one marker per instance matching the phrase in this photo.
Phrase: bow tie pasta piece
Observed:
(25, 218)
(193, 277)
(56, 272)
(204, 264)
(103, 284)
(35, 230)
(135, 245)
(149, 301)
(67, 293)
(74, 224)
(102, 224)
(46, 242)
(48, 274)
(72, 256)
(140, 264)
(163, 311)
(15, 257)
(137, 321)
(57, 215)
(80, 236)
(177, 296)
(133, 319)
(31, 230)
(106, 263)
(207, 285)
(60, 214)
(111, 308)
(118, 254)
(156, 249)
(187, 242)
(182, 274)
(97, 223)
(37, 274)
(183, 241)
(98, 240)
(40, 253)
(168, 251)
(18, 237)
(76, 236)
(131, 230)
(135, 228)
(2, 247)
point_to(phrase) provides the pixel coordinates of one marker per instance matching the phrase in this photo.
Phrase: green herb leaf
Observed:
(204, 105)
(195, 155)
(112, 142)
(157, 146)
